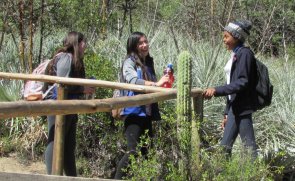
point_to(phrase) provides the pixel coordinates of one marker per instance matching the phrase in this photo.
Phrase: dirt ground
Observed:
(13, 164)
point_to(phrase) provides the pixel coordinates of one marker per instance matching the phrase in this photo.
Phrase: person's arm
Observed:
(130, 75)
(63, 69)
(63, 65)
(163, 80)
(243, 68)
(224, 121)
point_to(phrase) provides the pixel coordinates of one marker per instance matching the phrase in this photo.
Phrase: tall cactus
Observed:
(184, 112)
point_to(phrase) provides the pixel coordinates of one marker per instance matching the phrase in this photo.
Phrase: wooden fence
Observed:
(62, 107)
(5, 176)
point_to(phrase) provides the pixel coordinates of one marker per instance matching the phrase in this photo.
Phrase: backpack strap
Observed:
(51, 65)
(48, 90)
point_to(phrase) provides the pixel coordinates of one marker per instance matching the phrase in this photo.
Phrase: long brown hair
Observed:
(71, 45)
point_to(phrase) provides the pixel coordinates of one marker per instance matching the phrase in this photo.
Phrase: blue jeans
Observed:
(69, 147)
(239, 125)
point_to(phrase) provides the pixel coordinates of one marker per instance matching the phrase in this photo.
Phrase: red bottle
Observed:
(169, 71)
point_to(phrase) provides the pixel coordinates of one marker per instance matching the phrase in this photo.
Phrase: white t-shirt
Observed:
(227, 69)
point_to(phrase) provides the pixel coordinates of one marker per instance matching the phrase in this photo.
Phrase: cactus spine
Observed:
(184, 112)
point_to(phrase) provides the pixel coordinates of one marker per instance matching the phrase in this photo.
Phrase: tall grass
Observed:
(26, 134)
(275, 125)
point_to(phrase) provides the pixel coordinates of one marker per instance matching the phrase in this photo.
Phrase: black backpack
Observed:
(264, 88)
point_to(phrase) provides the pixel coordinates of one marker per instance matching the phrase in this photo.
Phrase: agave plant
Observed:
(10, 90)
(27, 132)
(275, 124)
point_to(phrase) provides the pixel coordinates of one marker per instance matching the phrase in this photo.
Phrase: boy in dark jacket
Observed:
(240, 90)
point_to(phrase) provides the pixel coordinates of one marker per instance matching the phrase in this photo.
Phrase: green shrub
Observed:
(101, 68)
(6, 146)
(98, 137)
(144, 167)
(83, 168)
(217, 166)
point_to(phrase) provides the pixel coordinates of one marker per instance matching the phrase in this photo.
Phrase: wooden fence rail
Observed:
(82, 82)
(4, 176)
(62, 107)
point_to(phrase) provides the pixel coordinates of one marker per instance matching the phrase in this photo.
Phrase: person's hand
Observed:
(223, 123)
(89, 90)
(209, 93)
(163, 80)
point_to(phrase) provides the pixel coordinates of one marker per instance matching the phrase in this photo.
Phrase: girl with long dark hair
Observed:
(68, 62)
(138, 68)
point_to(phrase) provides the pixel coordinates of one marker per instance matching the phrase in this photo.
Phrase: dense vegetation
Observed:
(32, 30)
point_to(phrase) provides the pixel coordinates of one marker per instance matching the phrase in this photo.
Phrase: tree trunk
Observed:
(41, 31)
(130, 17)
(4, 27)
(31, 36)
(212, 14)
(125, 7)
(104, 19)
(22, 35)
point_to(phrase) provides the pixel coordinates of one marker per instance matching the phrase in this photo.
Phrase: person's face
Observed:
(143, 47)
(229, 41)
(82, 47)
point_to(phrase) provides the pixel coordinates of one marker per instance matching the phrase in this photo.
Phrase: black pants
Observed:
(134, 128)
(69, 147)
(239, 125)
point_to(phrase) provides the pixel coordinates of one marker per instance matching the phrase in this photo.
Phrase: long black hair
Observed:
(131, 48)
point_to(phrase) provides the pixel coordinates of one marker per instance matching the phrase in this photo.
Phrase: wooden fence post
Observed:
(198, 103)
(59, 137)
(195, 139)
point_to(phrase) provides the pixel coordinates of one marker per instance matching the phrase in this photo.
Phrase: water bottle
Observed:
(169, 71)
